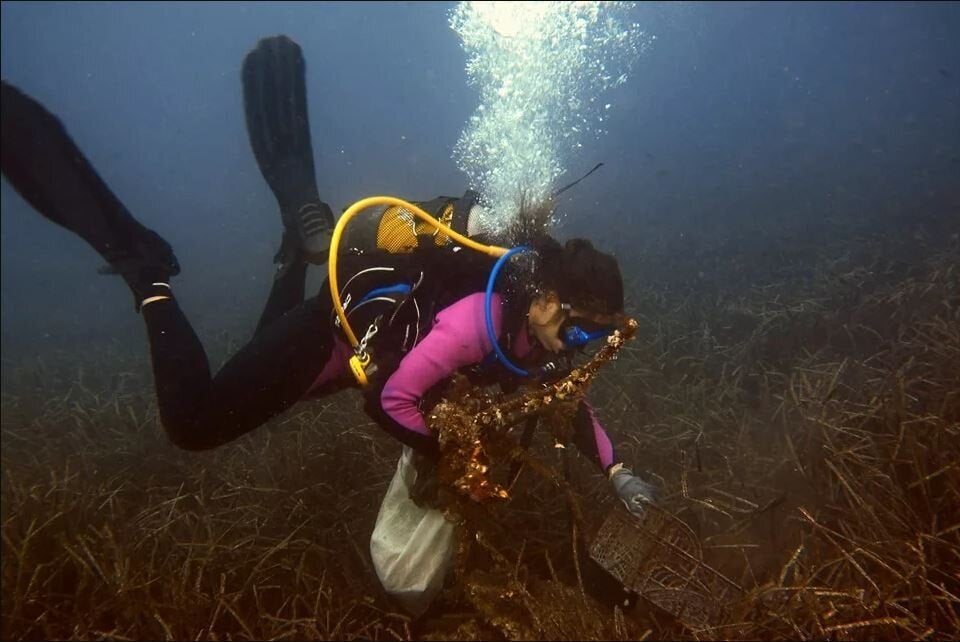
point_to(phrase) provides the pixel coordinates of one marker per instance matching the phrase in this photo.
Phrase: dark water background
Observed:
(781, 187)
(740, 116)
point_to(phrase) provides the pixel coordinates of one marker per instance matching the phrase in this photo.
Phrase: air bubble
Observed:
(539, 68)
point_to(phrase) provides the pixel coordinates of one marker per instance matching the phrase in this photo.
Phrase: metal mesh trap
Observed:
(660, 559)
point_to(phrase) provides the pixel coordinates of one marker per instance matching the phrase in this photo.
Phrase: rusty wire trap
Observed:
(660, 558)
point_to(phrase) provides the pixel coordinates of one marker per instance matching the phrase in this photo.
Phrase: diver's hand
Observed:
(632, 491)
(425, 490)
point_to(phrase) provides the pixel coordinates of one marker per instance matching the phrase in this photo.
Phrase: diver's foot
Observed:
(310, 226)
(145, 261)
(306, 237)
(275, 103)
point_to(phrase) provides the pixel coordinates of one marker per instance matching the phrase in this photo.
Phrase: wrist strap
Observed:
(614, 469)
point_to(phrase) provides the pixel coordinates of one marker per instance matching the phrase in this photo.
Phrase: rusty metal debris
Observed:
(658, 558)
(472, 425)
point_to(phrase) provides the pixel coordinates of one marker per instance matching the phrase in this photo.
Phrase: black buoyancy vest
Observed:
(399, 294)
(398, 282)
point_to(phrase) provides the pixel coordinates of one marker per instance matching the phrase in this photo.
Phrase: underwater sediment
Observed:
(797, 397)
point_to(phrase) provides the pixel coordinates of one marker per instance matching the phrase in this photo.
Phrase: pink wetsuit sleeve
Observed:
(458, 338)
(600, 438)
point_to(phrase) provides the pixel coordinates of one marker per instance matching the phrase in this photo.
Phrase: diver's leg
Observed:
(285, 294)
(275, 102)
(267, 376)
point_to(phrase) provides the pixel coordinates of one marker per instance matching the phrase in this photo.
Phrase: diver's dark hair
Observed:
(579, 273)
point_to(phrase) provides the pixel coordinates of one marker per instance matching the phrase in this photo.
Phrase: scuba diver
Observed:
(418, 299)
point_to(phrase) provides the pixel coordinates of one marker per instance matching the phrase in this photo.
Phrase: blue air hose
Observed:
(488, 310)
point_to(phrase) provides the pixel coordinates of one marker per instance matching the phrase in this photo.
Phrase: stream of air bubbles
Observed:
(542, 70)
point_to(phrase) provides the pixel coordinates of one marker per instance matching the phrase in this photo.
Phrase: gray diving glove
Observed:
(632, 491)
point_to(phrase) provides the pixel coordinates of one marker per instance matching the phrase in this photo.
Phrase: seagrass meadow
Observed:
(797, 397)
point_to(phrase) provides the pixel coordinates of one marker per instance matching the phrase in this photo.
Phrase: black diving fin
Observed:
(275, 102)
(45, 166)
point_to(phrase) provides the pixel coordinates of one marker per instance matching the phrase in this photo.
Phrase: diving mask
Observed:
(578, 332)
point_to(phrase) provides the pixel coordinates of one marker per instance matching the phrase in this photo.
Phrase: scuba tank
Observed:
(395, 229)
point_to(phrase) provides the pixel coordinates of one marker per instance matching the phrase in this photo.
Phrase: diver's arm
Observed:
(458, 338)
(422, 442)
(590, 437)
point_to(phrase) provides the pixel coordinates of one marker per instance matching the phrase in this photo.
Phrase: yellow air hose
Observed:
(360, 360)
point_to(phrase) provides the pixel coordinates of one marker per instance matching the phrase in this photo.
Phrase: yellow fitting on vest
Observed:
(358, 366)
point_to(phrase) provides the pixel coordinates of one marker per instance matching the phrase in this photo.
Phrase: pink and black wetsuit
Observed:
(457, 339)
(298, 353)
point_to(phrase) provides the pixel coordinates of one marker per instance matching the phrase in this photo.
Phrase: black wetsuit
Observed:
(293, 340)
